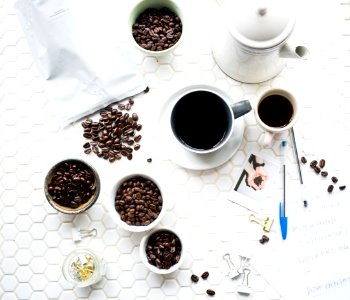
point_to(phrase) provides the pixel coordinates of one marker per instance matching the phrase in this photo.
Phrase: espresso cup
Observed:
(202, 119)
(276, 111)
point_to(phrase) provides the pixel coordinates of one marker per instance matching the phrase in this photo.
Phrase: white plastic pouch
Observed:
(81, 50)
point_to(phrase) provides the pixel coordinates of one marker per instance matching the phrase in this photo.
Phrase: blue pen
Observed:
(282, 208)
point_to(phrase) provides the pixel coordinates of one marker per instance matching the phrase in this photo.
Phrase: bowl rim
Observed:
(144, 4)
(116, 215)
(81, 208)
(143, 256)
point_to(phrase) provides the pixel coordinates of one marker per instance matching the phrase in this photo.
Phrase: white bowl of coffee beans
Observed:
(162, 250)
(72, 186)
(156, 26)
(137, 202)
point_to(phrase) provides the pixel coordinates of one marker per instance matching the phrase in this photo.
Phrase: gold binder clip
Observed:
(265, 223)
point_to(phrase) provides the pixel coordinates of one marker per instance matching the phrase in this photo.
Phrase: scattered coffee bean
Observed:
(163, 249)
(334, 179)
(205, 275)
(303, 160)
(317, 169)
(330, 188)
(194, 278)
(313, 163)
(322, 163)
(264, 239)
(157, 29)
(324, 173)
(149, 160)
(138, 201)
(72, 184)
(210, 292)
(305, 203)
(342, 187)
(113, 134)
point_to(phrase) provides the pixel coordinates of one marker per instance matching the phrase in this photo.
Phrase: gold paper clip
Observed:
(265, 223)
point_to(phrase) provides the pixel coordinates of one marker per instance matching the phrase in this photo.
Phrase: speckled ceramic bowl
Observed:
(83, 206)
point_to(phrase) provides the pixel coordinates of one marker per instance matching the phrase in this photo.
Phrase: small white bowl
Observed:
(115, 213)
(143, 255)
(83, 256)
(140, 7)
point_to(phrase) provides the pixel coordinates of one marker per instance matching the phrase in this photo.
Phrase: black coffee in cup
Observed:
(275, 111)
(201, 120)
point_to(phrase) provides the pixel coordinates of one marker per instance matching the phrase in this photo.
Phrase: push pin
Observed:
(78, 234)
(265, 223)
(233, 273)
(244, 288)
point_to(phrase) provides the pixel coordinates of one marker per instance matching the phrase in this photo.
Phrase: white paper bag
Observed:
(81, 49)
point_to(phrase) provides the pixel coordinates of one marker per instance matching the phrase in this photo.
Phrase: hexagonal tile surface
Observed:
(35, 238)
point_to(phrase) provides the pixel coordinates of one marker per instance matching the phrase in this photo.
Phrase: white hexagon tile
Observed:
(35, 238)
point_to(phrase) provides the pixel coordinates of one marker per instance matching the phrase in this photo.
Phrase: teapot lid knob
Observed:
(262, 11)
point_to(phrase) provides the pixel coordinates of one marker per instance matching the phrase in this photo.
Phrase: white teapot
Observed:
(250, 41)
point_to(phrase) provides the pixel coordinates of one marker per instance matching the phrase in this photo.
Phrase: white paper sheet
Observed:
(82, 50)
(313, 263)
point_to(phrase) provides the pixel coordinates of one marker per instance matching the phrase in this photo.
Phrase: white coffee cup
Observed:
(203, 117)
(276, 111)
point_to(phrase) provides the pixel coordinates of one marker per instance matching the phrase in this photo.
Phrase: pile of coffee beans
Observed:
(157, 29)
(114, 135)
(138, 201)
(318, 166)
(163, 249)
(72, 184)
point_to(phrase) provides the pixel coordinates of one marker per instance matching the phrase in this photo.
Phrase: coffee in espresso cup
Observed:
(202, 119)
(276, 111)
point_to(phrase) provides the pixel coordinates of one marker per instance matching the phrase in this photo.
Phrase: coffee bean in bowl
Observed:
(137, 202)
(72, 186)
(162, 250)
(156, 26)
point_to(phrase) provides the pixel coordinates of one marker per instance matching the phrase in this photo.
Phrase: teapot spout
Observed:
(288, 51)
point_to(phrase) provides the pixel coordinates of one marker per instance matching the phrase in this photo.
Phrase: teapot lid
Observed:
(259, 23)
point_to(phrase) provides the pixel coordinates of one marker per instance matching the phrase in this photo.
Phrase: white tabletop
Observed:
(35, 239)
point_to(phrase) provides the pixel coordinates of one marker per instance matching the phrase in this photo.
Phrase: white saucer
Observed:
(190, 160)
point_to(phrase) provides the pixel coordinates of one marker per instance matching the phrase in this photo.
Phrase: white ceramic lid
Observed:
(259, 23)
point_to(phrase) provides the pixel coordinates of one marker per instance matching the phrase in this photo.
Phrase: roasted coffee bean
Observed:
(86, 145)
(264, 239)
(149, 160)
(194, 278)
(313, 163)
(303, 160)
(342, 187)
(158, 249)
(113, 133)
(205, 275)
(138, 201)
(72, 184)
(324, 173)
(157, 29)
(305, 203)
(210, 292)
(322, 163)
(334, 179)
(317, 169)
(330, 188)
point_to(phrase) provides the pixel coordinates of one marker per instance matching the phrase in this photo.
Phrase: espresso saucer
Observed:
(189, 160)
